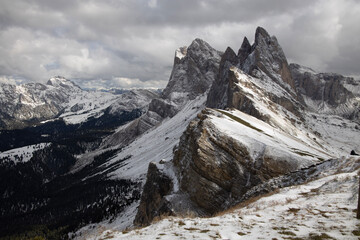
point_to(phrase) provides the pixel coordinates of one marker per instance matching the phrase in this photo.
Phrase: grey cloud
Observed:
(135, 40)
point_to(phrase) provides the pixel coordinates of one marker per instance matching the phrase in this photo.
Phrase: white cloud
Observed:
(122, 82)
(152, 3)
(136, 40)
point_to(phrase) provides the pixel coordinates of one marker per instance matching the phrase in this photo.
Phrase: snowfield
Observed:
(259, 136)
(320, 209)
(22, 154)
(157, 144)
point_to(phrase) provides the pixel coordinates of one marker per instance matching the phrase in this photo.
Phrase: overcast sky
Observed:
(131, 43)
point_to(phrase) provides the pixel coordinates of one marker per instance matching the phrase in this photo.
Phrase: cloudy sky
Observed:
(131, 43)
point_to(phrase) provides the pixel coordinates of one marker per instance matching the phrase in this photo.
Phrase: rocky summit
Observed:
(228, 128)
(262, 122)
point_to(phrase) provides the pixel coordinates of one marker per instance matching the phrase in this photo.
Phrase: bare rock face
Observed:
(263, 60)
(244, 50)
(218, 94)
(327, 92)
(212, 170)
(267, 56)
(216, 170)
(239, 99)
(195, 69)
(153, 202)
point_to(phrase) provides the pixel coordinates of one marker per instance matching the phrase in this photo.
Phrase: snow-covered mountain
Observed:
(31, 103)
(224, 153)
(320, 207)
(227, 128)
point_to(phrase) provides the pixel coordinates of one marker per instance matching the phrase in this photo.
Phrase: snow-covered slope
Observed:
(85, 105)
(22, 154)
(260, 137)
(157, 144)
(153, 146)
(328, 93)
(323, 208)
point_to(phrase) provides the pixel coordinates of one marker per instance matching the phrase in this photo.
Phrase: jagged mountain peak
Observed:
(201, 50)
(266, 59)
(260, 34)
(200, 62)
(199, 42)
(229, 53)
(244, 50)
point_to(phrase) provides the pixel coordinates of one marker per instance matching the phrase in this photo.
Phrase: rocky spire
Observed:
(261, 34)
(218, 95)
(244, 50)
(193, 72)
(269, 58)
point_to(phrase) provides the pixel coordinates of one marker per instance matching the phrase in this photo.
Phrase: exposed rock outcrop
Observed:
(218, 94)
(195, 68)
(327, 92)
(215, 168)
(194, 73)
(153, 202)
(264, 60)
(267, 56)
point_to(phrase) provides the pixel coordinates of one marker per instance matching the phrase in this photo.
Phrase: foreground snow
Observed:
(322, 208)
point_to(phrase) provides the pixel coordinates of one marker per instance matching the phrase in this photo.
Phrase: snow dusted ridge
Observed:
(36, 102)
(23, 154)
(260, 137)
(320, 209)
(156, 144)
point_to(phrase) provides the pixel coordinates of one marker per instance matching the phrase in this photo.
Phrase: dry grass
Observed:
(192, 229)
(181, 223)
(293, 210)
(316, 236)
(247, 202)
(214, 224)
(107, 235)
(160, 217)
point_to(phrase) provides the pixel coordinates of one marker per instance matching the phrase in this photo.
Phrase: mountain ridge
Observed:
(225, 125)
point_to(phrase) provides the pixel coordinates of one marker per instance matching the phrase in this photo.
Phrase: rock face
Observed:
(224, 155)
(267, 56)
(193, 72)
(218, 95)
(195, 68)
(264, 60)
(327, 92)
(216, 170)
(153, 202)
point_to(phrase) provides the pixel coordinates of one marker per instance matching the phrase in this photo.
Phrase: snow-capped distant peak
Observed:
(181, 52)
(59, 81)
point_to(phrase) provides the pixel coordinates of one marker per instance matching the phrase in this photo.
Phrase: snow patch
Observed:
(23, 154)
